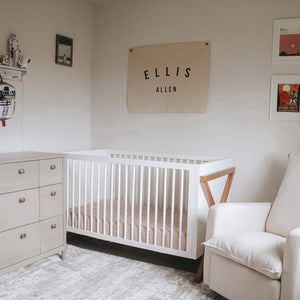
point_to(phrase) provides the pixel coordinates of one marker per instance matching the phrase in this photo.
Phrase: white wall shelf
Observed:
(11, 73)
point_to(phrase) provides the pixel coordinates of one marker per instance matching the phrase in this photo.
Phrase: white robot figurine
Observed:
(14, 50)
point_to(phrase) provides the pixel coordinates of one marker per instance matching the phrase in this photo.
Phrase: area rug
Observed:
(89, 274)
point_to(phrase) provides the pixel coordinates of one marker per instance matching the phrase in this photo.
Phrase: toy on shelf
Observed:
(7, 102)
(16, 60)
(14, 50)
(4, 60)
(23, 62)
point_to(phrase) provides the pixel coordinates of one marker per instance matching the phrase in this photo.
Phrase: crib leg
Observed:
(63, 255)
(199, 274)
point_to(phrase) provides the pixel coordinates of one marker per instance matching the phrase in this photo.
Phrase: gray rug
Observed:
(89, 274)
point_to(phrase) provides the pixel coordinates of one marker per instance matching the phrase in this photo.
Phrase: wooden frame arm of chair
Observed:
(205, 187)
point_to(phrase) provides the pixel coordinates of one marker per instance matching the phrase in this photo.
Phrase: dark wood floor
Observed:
(175, 262)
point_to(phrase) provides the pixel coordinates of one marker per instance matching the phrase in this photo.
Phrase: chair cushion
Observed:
(260, 251)
(285, 211)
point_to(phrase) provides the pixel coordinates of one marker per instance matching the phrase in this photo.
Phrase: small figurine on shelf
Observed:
(5, 60)
(23, 62)
(14, 50)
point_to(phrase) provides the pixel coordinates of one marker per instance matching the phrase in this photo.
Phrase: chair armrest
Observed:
(242, 217)
(290, 279)
(206, 189)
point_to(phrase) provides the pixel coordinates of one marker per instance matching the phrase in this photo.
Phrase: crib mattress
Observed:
(81, 220)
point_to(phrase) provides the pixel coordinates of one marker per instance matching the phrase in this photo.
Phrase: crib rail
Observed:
(140, 201)
(157, 157)
(150, 156)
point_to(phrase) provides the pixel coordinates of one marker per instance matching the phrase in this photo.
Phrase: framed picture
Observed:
(285, 97)
(64, 50)
(286, 40)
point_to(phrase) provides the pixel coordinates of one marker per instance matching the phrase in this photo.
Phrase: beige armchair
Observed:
(252, 250)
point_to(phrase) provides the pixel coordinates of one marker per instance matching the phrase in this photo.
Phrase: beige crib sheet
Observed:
(76, 222)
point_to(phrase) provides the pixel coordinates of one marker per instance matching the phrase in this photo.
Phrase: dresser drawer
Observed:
(52, 233)
(51, 201)
(19, 244)
(50, 171)
(20, 208)
(19, 176)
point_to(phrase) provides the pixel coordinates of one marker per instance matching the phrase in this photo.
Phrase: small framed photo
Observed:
(286, 40)
(64, 50)
(285, 97)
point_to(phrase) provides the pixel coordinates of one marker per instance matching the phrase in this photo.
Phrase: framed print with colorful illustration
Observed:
(286, 40)
(285, 97)
(64, 50)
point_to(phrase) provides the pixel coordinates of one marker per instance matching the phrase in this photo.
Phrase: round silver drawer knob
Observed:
(53, 194)
(53, 226)
(23, 236)
(52, 167)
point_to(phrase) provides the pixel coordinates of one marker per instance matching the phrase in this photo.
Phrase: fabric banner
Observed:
(171, 78)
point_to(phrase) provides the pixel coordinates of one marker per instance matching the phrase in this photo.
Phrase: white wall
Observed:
(53, 104)
(236, 123)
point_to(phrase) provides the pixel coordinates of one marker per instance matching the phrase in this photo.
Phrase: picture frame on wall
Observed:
(286, 41)
(285, 97)
(64, 50)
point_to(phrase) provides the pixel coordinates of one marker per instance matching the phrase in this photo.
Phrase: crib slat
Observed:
(164, 207)
(98, 194)
(85, 193)
(92, 195)
(156, 204)
(180, 208)
(172, 208)
(119, 199)
(68, 191)
(141, 202)
(104, 200)
(111, 198)
(148, 202)
(79, 194)
(132, 203)
(73, 192)
(126, 199)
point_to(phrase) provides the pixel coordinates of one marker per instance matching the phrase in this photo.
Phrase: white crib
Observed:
(147, 200)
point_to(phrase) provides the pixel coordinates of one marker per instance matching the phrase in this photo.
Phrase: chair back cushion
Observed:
(285, 211)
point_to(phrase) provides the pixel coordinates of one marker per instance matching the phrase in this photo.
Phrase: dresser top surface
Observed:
(26, 156)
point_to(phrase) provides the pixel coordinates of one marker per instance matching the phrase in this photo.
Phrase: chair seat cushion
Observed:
(260, 251)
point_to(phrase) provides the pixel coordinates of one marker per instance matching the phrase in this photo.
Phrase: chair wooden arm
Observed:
(206, 189)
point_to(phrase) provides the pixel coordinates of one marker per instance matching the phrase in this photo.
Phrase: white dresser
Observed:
(32, 224)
